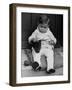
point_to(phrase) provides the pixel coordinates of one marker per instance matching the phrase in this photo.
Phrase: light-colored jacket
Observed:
(45, 38)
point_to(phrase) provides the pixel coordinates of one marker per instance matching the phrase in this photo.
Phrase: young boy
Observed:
(47, 40)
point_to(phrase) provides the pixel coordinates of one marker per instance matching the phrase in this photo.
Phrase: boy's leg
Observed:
(37, 57)
(50, 59)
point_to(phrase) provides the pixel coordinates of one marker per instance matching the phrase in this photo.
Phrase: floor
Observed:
(27, 71)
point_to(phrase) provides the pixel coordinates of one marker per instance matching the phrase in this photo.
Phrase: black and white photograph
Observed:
(40, 44)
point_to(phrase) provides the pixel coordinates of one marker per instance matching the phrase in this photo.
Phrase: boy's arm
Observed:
(32, 37)
(52, 37)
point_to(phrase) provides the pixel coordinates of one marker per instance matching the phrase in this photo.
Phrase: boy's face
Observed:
(43, 28)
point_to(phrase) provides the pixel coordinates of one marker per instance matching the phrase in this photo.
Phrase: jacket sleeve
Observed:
(52, 37)
(33, 36)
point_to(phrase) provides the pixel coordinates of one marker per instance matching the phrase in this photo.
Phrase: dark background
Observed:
(29, 24)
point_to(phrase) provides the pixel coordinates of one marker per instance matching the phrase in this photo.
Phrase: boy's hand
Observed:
(33, 40)
(51, 42)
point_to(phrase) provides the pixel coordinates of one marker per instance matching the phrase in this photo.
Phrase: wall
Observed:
(4, 45)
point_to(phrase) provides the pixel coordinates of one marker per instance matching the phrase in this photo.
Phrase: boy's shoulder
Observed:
(36, 30)
(49, 31)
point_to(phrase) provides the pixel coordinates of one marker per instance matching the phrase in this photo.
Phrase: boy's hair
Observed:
(43, 19)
